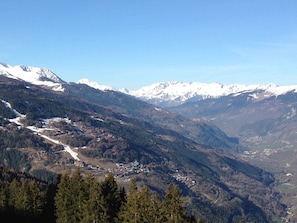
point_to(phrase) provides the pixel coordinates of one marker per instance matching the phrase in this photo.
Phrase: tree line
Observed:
(85, 200)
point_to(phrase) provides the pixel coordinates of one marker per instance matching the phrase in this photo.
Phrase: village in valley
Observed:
(123, 171)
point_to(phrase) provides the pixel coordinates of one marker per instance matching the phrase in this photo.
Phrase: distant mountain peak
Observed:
(174, 92)
(34, 75)
(94, 85)
(4, 65)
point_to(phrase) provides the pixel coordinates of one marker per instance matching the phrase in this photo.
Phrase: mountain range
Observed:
(174, 93)
(50, 125)
(162, 94)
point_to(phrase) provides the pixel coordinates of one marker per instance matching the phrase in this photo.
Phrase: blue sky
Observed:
(134, 43)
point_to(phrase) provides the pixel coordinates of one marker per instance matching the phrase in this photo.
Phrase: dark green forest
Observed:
(75, 198)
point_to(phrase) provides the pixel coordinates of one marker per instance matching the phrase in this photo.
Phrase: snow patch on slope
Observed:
(39, 131)
(66, 147)
(19, 116)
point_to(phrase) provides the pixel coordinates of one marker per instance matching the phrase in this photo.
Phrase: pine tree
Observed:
(112, 199)
(141, 206)
(48, 215)
(4, 191)
(154, 209)
(35, 199)
(123, 196)
(14, 198)
(63, 200)
(130, 211)
(25, 203)
(172, 208)
(94, 210)
(78, 195)
(144, 198)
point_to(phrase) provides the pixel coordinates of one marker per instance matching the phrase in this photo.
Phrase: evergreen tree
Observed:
(78, 195)
(63, 200)
(172, 209)
(24, 199)
(144, 198)
(123, 196)
(130, 211)
(48, 215)
(14, 198)
(25, 203)
(93, 208)
(111, 197)
(34, 201)
(3, 196)
(154, 209)
(141, 206)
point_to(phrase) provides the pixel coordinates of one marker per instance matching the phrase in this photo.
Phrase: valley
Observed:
(266, 128)
(221, 152)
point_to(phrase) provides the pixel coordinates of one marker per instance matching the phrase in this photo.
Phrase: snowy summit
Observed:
(162, 93)
(175, 92)
(94, 85)
(34, 75)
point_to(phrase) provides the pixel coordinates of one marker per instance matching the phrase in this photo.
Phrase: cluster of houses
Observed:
(185, 179)
(126, 169)
(122, 170)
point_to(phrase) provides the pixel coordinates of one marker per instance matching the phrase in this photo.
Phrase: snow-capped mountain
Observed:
(174, 92)
(95, 85)
(34, 75)
(162, 93)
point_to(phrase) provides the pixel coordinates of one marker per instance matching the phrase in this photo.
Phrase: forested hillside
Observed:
(265, 125)
(83, 199)
(44, 133)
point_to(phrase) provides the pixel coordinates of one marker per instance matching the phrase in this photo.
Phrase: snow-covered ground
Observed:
(19, 116)
(39, 131)
(67, 148)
